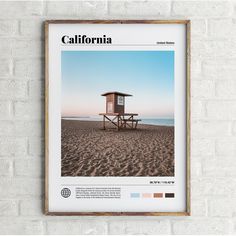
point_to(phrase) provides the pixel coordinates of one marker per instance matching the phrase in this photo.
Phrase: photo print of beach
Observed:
(117, 110)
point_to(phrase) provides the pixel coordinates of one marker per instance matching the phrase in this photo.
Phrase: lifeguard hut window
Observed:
(120, 100)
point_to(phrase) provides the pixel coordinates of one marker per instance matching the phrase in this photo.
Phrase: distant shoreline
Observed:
(144, 121)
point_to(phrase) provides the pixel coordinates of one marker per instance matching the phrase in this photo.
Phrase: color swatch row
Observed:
(152, 195)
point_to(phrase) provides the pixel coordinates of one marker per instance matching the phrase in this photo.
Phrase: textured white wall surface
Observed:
(213, 93)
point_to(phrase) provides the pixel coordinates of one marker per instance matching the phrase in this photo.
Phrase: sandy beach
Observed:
(87, 150)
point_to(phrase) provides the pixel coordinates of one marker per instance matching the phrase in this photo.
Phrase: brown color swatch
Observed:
(158, 195)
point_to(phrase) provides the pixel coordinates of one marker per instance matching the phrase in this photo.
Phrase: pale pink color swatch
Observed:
(147, 195)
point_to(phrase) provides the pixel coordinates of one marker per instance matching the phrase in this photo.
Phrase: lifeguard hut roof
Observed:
(118, 93)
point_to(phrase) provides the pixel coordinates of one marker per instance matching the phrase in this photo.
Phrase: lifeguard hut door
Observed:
(110, 107)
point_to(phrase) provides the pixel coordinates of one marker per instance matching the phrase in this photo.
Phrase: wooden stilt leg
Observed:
(104, 127)
(118, 121)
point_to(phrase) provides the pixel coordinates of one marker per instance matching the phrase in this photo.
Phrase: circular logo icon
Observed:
(65, 192)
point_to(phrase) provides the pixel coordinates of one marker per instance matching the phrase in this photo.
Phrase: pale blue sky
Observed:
(147, 75)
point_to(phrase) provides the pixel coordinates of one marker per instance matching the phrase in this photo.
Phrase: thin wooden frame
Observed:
(188, 115)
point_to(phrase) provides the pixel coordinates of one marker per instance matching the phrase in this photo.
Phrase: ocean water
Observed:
(156, 121)
(147, 121)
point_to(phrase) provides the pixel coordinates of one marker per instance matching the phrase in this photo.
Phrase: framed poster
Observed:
(117, 117)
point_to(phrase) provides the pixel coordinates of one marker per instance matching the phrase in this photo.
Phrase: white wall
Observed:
(213, 117)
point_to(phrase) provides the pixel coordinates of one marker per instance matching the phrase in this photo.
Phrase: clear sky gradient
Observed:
(147, 75)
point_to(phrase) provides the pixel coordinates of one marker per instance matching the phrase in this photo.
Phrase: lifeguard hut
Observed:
(115, 102)
(115, 111)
